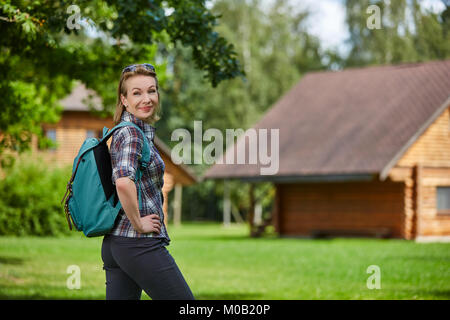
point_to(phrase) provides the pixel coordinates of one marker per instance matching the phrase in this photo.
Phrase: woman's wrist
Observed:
(137, 225)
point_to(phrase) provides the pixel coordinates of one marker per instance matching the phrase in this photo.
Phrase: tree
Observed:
(42, 51)
(407, 33)
(275, 50)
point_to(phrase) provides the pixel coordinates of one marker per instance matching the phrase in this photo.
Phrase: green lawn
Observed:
(223, 263)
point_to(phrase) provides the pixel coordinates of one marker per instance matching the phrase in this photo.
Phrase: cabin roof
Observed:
(357, 121)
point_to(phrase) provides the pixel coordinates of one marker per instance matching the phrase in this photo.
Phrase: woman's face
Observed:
(142, 97)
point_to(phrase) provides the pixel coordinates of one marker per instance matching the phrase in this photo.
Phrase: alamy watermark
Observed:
(374, 281)
(74, 280)
(257, 153)
(73, 22)
(374, 20)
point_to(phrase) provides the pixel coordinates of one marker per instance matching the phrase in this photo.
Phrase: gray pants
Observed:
(136, 264)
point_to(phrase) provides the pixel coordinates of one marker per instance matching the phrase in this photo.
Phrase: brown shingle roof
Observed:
(351, 122)
(79, 98)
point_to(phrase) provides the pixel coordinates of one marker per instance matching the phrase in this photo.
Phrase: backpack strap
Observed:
(145, 149)
(143, 162)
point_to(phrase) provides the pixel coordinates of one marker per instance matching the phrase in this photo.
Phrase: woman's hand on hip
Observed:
(150, 223)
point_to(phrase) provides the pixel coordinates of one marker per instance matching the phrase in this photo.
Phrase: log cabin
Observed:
(78, 123)
(362, 152)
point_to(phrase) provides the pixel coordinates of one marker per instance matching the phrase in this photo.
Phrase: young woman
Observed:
(134, 253)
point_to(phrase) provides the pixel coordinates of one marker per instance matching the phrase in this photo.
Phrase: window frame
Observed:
(445, 211)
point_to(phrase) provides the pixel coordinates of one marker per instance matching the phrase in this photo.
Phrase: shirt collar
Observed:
(148, 129)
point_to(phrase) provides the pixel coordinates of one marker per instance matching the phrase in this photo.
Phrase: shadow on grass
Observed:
(11, 260)
(228, 296)
(201, 296)
(440, 294)
(435, 293)
(42, 297)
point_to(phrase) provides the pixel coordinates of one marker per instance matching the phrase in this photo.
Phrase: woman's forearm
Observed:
(126, 190)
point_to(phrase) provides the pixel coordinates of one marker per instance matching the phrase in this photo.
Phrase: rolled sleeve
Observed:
(126, 150)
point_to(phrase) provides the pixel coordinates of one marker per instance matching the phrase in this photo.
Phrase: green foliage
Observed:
(273, 56)
(30, 195)
(40, 56)
(408, 33)
(276, 50)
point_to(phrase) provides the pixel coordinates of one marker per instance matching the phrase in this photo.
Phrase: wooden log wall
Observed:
(352, 206)
(423, 168)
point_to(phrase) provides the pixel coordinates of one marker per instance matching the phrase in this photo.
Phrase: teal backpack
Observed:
(91, 200)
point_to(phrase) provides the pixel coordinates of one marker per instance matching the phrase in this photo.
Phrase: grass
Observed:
(223, 263)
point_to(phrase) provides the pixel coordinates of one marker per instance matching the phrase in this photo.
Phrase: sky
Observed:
(327, 22)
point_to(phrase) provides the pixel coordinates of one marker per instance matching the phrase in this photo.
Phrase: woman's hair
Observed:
(123, 90)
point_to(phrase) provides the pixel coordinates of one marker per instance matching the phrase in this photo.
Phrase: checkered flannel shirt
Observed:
(126, 149)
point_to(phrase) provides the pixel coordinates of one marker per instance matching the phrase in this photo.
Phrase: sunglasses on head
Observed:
(133, 67)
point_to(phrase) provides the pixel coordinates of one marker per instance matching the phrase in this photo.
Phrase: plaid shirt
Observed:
(126, 149)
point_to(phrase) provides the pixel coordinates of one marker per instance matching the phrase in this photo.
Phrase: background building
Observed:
(363, 151)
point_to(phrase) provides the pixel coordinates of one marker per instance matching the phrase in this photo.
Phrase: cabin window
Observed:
(51, 134)
(90, 134)
(443, 200)
(93, 134)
